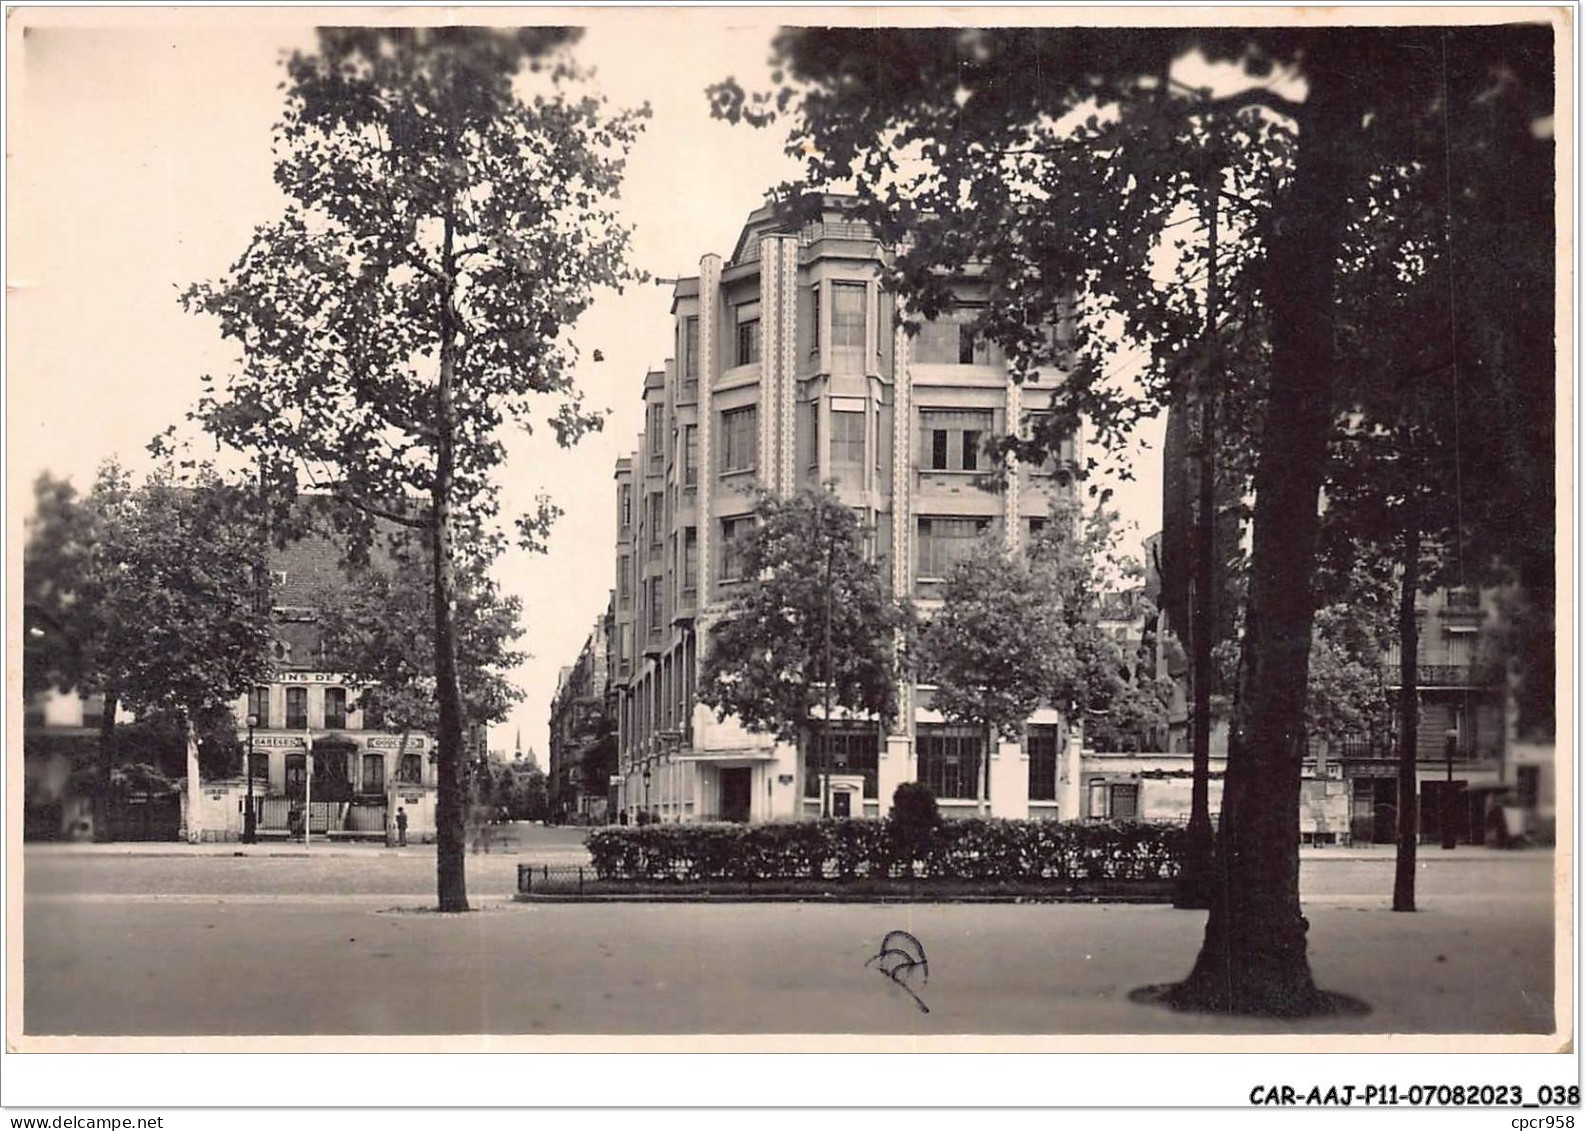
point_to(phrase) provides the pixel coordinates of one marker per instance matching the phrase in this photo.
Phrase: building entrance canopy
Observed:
(740, 754)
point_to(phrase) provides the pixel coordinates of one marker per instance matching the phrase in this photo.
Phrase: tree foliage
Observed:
(379, 632)
(152, 596)
(766, 659)
(975, 143)
(1016, 631)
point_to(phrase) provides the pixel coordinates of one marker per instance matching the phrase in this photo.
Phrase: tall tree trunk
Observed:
(1408, 714)
(1194, 882)
(1253, 959)
(102, 772)
(450, 835)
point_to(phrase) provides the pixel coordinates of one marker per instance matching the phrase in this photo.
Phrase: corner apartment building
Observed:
(791, 366)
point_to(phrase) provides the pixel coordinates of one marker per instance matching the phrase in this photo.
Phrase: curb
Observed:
(771, 897)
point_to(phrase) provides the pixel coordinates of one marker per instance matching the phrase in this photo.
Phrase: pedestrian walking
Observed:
(401, 827)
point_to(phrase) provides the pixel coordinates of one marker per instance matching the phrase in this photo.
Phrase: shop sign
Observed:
(415, 743)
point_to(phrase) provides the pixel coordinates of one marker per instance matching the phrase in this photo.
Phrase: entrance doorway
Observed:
(842, 804)
(736, 785)
(1374, 819)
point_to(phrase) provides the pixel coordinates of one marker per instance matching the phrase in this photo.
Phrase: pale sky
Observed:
(141, 163)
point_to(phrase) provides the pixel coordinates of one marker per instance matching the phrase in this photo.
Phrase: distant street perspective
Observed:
(204, 943)
(835, 530)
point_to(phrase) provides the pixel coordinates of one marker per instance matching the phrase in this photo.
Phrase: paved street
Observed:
(201, 942)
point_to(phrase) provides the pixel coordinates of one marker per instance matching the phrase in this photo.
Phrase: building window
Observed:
(739, 439)
(296, 774)
(1037, 526)
(259, 705)
(950, 339)
(259, 765)
(626, 506)
(950, 758)
(654, 436)
(951, 441)
(733, 531)
(1097, 800)
(1124, 802)
(412, 769)
(747, 316)
(373, 716)
(1041, 745)
(1529, 787)
(690, 456)
(814, 293)
(373, 780)
(297, 708)
(847, 440)
(624, 581)
(335, 708)
(656, 521)
(690, 358)
(848, 303)
(690, 561)
(843, 751)
(654, 597)
(813, 413)
(943, 542)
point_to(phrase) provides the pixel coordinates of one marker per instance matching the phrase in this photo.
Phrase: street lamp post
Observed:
(646, 793)
(1449, 834)
(250, 827)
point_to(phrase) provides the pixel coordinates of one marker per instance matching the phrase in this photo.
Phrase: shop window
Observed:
(373, 780)
(1124, 800)
(950, 759)
(842, 751)
(296, 775)
(1042, 744)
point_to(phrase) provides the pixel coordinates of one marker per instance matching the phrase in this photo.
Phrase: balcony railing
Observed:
(1446, 675)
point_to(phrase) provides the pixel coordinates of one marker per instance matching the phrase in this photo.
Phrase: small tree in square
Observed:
(445, 226)
(816, 627)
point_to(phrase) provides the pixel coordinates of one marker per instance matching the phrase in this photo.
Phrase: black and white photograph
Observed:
(908, 530)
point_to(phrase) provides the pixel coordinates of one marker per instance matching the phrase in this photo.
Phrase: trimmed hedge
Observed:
(974, 849)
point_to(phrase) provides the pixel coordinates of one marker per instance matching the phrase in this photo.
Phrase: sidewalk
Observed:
(1427, 854)
(225, 848)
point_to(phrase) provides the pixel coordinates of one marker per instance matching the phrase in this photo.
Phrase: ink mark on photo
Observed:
(899, 956)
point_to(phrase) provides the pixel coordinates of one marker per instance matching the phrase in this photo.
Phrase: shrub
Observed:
(914, 807)
(984, 850)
